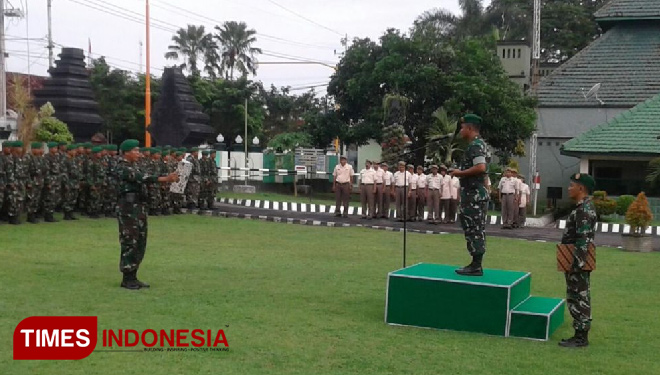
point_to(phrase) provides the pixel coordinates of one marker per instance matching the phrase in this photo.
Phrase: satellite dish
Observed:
(593, 93)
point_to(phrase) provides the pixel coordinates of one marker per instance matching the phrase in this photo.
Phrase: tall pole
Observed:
(50, 36)
(3, 75)
(147, 90)
(536, 44)
(246, 140)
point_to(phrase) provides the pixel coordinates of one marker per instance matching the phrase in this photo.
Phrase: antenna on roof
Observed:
(593, 93)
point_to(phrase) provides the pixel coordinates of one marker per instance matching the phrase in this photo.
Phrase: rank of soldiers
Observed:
(82, 179)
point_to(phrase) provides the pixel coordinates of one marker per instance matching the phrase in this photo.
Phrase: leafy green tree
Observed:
(443, 142)
(237, 44)
(193, 44)
(284, 111)
(324, 127)
(50, 128)
(441, 22)
(289, 141)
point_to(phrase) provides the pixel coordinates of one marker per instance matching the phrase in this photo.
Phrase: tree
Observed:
(639, 215)
(394, 143)
(441, 22)
(285, 111)
(324, 127)
(20, 100)
(443, 138)
(236, 42)
(289, 141)
(51, 129)
(193, 44)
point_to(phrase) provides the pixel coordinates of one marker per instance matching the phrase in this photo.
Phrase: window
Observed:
(540, 143)
(608, 172)
(508, 53)
(519, 55)
(556, 143)
(549, 144)
(503, 53)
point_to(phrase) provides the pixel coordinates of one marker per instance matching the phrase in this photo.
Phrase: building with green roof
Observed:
(615, 73)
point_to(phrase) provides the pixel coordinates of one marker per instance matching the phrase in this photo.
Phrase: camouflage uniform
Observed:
(16, 187)
(204, 181)
(95, 181)
(83, 194)
(3, 178)
(177, 199)
(194, 181)
(153, 168)
(8, 168)
(166, 199)
(580, 230)
(111, 186)
(213, 182)
(51, 184)
(63, 176)
(35, 184)
(474, 199)
(72, 186)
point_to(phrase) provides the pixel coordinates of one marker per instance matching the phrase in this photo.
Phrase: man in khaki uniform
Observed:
(367, 179)
(401, 184)
(524, 201)
(341, 185)
(455, 199)
(445, 194)
(433, 195)
(379, 181)
(508, 185)
(388, 191)
(422, 181)
(412, 193)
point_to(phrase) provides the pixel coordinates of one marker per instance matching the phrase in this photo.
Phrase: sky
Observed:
(287, 30)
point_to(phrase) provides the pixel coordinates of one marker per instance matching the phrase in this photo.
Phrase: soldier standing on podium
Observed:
(580, 231)
(474, 196)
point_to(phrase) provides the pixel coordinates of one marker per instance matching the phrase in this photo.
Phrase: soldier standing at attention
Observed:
(73, 181)
(433, 194)
(412, 193)
(213, 177)
(194, 180)
(342, 184)
(132, 216)
(165, 200)
(367, 177)
(3, 173)
(35, 183)
(204, 188)
(154, 187)
(16, 187)
(474, 197)
(401, 184)
(110, 195)
(508, 189)
(388, 190)
(95, 180)
(51, 182)
(422, 182)
(177, 199)
(580, 231)
(379, 179)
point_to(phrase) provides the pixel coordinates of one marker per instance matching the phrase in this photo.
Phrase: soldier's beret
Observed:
(8, 144)
(179, 153)
(206, 152)
(112, 147)
(585, 180)
(88, 145)
(18, 144)
(194, 149)
(471, 118)
(156, 150)
(182, 149)
(36, 145)
(97, 149)
(62, 144)
(129, 144)
(71, 147)
(51, 144)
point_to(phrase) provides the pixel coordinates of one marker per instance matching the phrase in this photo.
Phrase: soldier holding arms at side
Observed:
(342, 183)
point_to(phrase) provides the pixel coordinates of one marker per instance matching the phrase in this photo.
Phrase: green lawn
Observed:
(304, 300)
(316, 198)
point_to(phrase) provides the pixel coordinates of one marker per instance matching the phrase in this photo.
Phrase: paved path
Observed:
(547, 234)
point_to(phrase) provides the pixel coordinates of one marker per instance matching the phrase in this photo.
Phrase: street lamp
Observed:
(239, 139)
(255, 141)
(220, 138)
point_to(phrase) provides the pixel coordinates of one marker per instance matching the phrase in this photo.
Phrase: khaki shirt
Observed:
(455, 187)
(508, 185)
(367, 176)
(422, 181)
(380, 176)
(446, 187)
(524, 192)
(401, 177)
(413, 182)
(343, 174)
(435, 182)
(389, 178)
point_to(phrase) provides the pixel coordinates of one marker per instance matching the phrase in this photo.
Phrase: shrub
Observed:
(599, 194)
(639, 215)
(604, 205)
(622, 204)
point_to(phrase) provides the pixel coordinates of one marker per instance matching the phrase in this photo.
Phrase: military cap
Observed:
(434, 166)
(383, 164)
(410, 166)
(443, 167)
(194, 149)
(97, 149)
(71, 147)
(129, 144)
(402, 163)
(585, 180)
(36, 145)
(342, 157)
(18, 143)
(206, 152)
(471, 118)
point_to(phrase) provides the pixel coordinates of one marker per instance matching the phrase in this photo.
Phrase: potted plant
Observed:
(639, 218)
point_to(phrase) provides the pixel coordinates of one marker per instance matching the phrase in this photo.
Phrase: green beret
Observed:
(80, 145)
(87, 145)
(471, 118)
(96, 149)
(155, 150)
(112, 147)
(206, 152)
(183, 149)
(143, 149)
(194, 149)
(36, 145)
(51, 144)
(179, 153)
(71, 147)
(62, 144)
(8, 144)
(18, 143)
(129, 144)
(585, 180)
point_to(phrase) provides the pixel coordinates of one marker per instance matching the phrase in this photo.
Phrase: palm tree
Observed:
(442, 138)
(471, 22)
(191, 44)
(236, 41)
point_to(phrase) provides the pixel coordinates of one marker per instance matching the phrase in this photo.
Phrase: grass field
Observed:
(304, 300)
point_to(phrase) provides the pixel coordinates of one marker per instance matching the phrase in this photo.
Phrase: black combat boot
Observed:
(129, 281)
(579, 340)
(140, 283)
(49, 218)
(14, 220)
(32, 218)
(474, 268)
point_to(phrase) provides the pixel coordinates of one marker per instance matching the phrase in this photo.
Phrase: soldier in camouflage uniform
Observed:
(204, 188)
(132, 209)
(153, 188)
(34, 186)
(474, 196)
(580, 230)
(85, 159)
(166, 202)
(194, 180)
(61, 150)
(213, 177)
(177, 199)
(51, 182)
(16, 184)
(4, 165)
(111, 181)
(8, 173)
(95, 181)
(74, 179)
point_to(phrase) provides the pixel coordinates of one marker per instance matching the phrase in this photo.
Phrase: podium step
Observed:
(434, 296)
(537, 318)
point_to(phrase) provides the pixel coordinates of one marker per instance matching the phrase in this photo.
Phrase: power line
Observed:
(127, 17)
(305, 18)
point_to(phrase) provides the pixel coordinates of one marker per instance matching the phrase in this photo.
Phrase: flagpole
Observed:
(147, 91)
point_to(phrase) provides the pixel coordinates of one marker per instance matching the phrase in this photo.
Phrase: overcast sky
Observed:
(279, 30)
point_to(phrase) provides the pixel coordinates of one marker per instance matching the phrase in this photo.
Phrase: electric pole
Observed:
(536, 57)
(3, 74)
(140, 57)
(50, 37)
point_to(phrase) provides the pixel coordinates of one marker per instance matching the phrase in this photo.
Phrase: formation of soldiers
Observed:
(83, 178)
